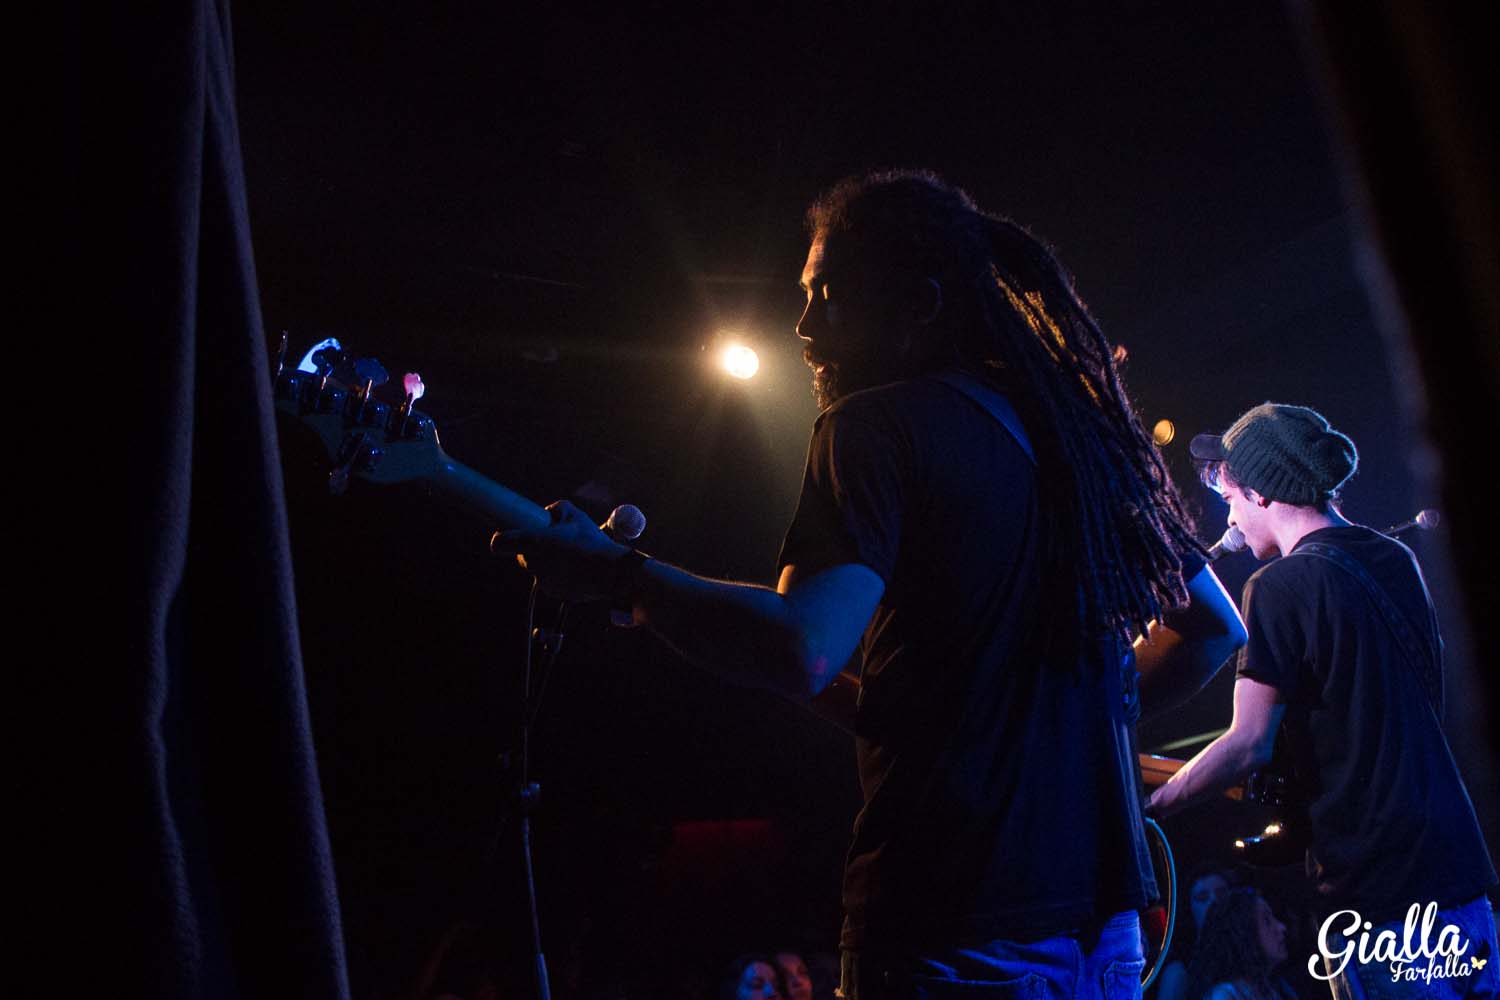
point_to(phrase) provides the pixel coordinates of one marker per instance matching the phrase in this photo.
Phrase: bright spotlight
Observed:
(1163, 433)
(739, 361)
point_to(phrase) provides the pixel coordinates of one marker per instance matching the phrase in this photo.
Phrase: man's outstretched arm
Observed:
(1183, 652)
(792, 640)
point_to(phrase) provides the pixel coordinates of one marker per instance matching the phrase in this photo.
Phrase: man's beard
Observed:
(826, 387)
(833, 380)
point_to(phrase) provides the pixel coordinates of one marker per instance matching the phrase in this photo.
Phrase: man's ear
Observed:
(1257, 499)
(927, 301)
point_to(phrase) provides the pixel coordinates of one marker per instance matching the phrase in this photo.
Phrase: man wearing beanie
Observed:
(1342, 678)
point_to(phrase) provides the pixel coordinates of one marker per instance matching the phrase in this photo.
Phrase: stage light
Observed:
(1163, 433)
(740, 361)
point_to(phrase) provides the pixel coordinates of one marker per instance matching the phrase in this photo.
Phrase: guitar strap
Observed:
(1419, 647)
(992, 402)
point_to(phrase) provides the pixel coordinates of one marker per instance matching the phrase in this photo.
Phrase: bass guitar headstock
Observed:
(365, 437)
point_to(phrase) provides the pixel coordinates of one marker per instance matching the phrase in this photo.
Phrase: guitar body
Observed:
(1285, 839)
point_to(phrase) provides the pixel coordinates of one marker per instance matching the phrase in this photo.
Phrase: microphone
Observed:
(1233, 540)
(625, 523)
(1425, 520)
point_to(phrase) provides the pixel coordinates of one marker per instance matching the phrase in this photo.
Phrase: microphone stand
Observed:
(522, 798)
(528, 793)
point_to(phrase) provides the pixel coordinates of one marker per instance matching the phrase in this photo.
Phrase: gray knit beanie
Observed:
(1284, 453)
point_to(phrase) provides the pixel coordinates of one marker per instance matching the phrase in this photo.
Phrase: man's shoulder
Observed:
(926, 420)
(1379, 554)
(919, 400)
(1351, 537)
(1307, 571)
(1280, 574)
(896, 396)
(1284, 586)
(894, 408)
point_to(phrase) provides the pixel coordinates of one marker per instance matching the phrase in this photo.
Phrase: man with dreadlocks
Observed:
(984, 519)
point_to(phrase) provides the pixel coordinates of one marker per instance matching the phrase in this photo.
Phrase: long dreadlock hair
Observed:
(1115, 528)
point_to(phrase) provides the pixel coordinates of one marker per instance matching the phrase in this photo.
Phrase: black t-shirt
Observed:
(1001, 795)
(1392, 824)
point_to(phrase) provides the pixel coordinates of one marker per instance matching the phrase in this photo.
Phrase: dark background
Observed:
(556, 218)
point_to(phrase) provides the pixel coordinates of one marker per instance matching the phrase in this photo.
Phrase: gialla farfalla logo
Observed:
(1417, 953)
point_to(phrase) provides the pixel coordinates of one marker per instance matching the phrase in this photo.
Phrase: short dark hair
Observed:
(1216, 474)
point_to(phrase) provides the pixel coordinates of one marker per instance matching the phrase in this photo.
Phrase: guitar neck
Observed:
(485, 497)
(1158, 770)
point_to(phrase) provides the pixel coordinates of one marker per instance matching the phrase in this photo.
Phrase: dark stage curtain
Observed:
(1411, 86)
(208, 854)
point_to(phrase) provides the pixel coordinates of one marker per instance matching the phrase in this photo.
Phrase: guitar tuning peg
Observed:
(358, 451)
(371, 372)
(415, 390)
(324, 362)
(326, 359)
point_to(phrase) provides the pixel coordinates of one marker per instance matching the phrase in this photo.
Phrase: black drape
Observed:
(210, 838)
(1411, 85)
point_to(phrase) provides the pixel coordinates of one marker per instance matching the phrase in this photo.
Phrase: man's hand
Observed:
(1246, 745)
(572, 559)
(1166, 800)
